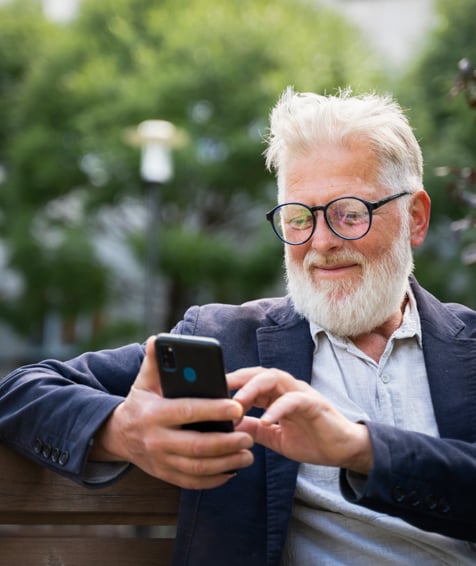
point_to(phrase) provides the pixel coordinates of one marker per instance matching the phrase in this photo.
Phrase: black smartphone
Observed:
(192, 366)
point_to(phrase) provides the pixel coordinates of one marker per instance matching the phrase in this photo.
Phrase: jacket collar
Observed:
(449, 349)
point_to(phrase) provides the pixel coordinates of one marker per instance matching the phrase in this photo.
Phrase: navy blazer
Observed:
(427, 481)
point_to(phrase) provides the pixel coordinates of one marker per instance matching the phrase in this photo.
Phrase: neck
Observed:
(373, 343)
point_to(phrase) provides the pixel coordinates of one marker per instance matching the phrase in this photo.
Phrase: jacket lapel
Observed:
(450, 359)
(287, 346)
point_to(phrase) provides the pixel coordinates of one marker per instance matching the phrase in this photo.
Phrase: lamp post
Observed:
(156, 138)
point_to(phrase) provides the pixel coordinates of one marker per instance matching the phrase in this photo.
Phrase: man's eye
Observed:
(353, 217)
(300, 222)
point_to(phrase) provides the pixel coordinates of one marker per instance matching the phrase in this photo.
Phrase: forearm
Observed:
(426, 481)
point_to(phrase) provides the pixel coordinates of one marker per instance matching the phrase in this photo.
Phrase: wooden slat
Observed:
(82, 552)
(31, 494)
(48, 519)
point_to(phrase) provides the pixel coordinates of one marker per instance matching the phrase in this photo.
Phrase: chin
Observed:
(350, 306)
(336, 291)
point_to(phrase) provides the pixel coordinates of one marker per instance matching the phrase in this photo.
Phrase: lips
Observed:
(333, 266)
(334, 270)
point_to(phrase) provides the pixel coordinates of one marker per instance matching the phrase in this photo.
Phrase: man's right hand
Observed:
(145, 429)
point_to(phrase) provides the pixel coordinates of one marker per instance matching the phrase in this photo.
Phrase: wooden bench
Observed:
(46, 519)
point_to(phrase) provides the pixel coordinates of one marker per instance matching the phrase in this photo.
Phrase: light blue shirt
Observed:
(325, 528)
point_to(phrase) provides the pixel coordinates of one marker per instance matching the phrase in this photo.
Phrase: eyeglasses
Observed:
(350, 218)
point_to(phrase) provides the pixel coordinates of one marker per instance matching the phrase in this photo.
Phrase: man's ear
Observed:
(419, 217)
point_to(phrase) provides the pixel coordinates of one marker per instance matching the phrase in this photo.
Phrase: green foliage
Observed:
(447, 129)
(212, 68)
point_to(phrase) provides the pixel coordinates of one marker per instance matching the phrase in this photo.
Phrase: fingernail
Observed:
(246, 443)
(266, 419)
(235, 412)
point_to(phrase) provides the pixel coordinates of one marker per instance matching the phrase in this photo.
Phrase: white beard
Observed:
(349, 308)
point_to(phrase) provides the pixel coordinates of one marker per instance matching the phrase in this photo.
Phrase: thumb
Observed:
(148, 377)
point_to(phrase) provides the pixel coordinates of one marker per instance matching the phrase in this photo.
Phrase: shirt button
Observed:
(385, 378)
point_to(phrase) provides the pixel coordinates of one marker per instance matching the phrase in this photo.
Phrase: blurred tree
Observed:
(447, 129)
(212, 68)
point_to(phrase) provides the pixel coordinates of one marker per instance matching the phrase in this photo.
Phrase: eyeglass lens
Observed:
(347, 217)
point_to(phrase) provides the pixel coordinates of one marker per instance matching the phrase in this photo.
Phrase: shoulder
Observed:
(238, 327)
(252, 314)
(456, 317)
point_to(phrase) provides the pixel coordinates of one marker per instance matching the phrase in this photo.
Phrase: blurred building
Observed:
(396, 28)
(60, 10)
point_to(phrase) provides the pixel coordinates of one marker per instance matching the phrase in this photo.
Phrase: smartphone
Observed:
(192, 366)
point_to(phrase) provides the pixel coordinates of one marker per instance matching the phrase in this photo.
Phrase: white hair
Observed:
(301, 121)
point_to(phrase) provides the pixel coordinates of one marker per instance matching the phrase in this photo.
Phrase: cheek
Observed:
(296, 254)
(371, 248)
(378, 241)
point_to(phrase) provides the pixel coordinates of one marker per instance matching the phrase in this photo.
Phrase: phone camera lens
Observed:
(168, 358)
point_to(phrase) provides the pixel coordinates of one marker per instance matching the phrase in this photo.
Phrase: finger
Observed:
(265, 387)
(248, 425)
(187, 410)
(180, 470)
(199, 461)
(238, 378)
(203, 467)
(193, 444)
(262, 434)
(290, 404)
(187, 481)
(148, 376)
(192, 482)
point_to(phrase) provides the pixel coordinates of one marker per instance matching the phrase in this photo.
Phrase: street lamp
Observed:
(156, 138)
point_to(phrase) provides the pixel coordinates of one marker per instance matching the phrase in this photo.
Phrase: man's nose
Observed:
(323, 238)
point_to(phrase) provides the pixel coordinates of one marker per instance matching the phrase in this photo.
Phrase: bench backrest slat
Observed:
(40, 503)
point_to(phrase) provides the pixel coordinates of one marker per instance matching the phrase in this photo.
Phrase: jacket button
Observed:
(398, 494)
(46, 452)
(414, 498)
(38, 446)
(443, 505)
(55, 454)
(63, 458)
(430, 502)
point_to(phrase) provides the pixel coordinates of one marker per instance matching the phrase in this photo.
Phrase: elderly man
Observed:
(355, 395)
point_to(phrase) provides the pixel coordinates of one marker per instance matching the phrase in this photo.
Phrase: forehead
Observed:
(331, 171)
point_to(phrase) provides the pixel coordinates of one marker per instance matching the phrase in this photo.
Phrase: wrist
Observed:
(362, 459)
(106, 447)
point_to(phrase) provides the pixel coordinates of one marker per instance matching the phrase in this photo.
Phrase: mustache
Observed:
(313, 257)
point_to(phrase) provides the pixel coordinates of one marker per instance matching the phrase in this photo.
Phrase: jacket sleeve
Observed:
(426, 481)
(50, 411)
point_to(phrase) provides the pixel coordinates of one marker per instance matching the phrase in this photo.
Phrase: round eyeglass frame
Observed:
(371, 206)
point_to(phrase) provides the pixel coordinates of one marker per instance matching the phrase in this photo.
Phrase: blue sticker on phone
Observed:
(190, 374)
